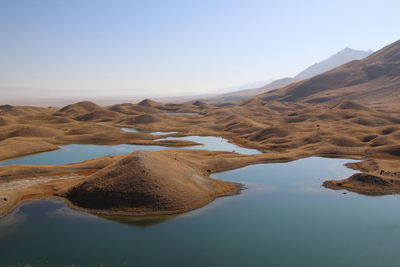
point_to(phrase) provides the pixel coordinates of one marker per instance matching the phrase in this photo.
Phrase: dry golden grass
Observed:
(284, 131)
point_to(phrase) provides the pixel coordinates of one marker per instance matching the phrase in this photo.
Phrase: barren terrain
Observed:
(313, 117)
(283, 131)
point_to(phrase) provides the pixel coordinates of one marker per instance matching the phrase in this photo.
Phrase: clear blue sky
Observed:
(146, 47)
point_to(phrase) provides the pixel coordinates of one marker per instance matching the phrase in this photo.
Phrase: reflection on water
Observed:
(284, 218)
(140, 221)
(11, 222)
(62, 211)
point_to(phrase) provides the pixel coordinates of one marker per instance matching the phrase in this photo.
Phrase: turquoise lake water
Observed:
(214, 143)
(77, 153)
(284, 218)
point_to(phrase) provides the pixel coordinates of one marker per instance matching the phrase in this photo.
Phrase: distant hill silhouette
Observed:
(375, 79)
(344, 56)
(340, 58)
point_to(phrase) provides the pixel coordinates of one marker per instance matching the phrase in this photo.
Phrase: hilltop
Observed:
(150, 183)
(343, 56)
(374, 80)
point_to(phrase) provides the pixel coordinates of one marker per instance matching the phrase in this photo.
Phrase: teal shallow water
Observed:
(208, 142)
(284, 218)
(214, 143)
(77, 153)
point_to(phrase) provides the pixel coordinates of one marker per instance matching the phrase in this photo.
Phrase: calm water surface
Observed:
(284, 218)
(214, 143)
(77, 153)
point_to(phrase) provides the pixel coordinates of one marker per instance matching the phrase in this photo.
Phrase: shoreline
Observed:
(281, 131)
(142, 214)
(4, 212)
(253, 161)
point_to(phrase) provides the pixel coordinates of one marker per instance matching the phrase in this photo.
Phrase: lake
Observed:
(214, 143)
(77, 153)
(284, 218)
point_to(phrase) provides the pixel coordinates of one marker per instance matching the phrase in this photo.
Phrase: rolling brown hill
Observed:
(175, 181)
(149, 183)
(374, 80)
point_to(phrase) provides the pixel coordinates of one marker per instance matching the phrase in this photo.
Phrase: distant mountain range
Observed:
(45, 97)
(340, 58)
(344, 56)
(374, 79)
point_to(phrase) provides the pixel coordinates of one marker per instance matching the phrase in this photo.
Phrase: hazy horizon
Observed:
(126, 48)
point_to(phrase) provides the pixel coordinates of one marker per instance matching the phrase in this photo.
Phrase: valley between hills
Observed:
(349, 112)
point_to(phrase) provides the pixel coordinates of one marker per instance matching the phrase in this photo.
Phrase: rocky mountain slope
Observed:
(375, 80)
(344, 56)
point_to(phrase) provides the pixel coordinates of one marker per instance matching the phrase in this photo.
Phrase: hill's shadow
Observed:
(145, 221)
